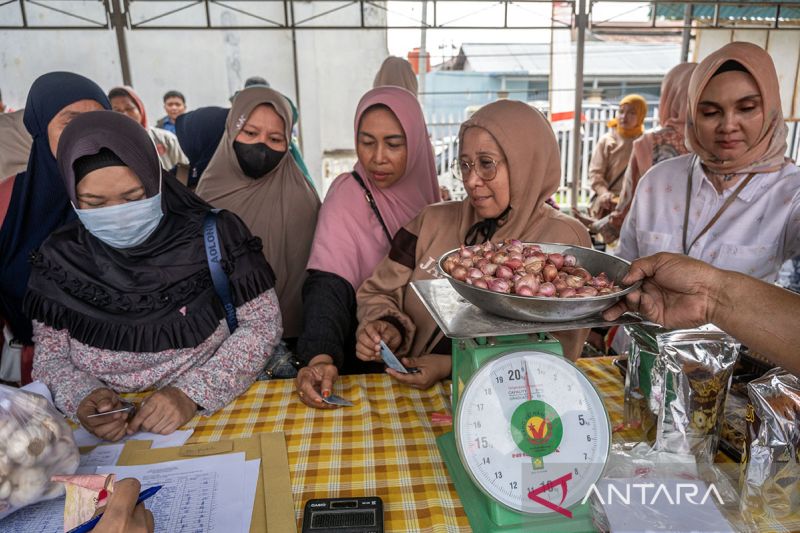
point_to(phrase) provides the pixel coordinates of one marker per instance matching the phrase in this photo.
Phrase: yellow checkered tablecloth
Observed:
(385, 445)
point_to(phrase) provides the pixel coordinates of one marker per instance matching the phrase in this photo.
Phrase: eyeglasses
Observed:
(485, 168)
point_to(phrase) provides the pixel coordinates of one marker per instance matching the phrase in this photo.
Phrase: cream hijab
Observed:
(281, 207)
(767, 154)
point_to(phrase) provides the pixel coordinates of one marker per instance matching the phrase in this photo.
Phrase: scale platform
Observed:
(459, 319)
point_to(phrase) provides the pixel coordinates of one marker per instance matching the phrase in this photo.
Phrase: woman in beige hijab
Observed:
(254, 175)
(396, 71)
(508, 178)
(735, 202)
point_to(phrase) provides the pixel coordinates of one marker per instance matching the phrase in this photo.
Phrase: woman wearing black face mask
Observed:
(254, 174)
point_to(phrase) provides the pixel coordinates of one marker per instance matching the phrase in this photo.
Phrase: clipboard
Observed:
(273, 507)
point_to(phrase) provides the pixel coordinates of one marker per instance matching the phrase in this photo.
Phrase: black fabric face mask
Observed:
(256, 160)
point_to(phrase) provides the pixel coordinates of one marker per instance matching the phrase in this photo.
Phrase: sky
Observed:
(443, 44)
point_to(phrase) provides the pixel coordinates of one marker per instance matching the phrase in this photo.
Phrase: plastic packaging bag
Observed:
(698, 368)
(643, 378)
(35, 443)
(770, 480)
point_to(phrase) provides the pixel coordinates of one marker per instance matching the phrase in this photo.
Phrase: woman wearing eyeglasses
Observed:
(510, 166)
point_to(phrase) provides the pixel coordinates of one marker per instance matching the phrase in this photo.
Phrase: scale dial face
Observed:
(532, 432)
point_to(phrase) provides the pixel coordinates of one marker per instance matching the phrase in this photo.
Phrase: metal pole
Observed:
(581, 19)
(118, 22)
(423, 53)
(688, 13)
(296, 78)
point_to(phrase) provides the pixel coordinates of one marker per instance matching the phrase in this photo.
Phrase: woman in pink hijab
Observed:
(393, 180)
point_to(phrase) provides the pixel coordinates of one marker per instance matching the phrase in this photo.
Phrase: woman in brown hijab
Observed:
(254, 175)
(508, 179)
(665, 142)
(397, 72)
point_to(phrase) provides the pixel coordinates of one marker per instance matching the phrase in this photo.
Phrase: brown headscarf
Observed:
(534, 165)
(531, 153)
(767, 154)
(672, 104)
(280, 207)
(398, 72)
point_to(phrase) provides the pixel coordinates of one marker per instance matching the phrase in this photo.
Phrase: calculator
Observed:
(343, 515)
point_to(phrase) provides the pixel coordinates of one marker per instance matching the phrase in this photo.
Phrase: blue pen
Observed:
(89, 525)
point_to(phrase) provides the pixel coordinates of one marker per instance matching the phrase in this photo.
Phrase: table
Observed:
(385, 445)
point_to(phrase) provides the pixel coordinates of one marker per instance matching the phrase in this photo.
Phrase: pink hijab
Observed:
(672, 105)
(349, 240)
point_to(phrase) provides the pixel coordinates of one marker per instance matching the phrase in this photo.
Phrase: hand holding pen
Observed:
(125, 512)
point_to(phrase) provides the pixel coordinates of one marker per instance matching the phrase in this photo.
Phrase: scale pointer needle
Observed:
(527, 382)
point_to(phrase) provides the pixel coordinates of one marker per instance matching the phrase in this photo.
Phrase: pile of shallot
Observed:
(525, 270)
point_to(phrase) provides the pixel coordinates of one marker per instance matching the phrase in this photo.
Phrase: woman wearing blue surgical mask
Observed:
(122, 300)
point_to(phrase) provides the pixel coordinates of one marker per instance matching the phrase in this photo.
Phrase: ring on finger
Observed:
(300, 393)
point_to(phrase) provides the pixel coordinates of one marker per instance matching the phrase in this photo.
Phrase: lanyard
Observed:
(716, 217)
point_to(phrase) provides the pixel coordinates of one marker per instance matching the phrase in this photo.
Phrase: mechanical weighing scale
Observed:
(530, 432)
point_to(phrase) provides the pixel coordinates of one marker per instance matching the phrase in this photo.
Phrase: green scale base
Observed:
(485, 515)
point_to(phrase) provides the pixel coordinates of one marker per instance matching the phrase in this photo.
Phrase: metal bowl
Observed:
(541, 309)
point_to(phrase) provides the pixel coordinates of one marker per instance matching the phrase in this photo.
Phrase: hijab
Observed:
(152, 297)
(280, 207)
(639, 105)
(39, 202)
(767, 154)
(398, 72)
(534, 169)
(136, 101)
(672, 104)
(534, 175)
(199, 133)
(349, 240)
(15, 144)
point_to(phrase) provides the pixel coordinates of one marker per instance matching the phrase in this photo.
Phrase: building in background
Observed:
(481, 73)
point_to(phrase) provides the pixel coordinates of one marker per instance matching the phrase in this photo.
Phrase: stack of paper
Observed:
(211, 494)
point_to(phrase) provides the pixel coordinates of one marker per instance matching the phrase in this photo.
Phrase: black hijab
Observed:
(152, 297)
(199, 133)
(39, 202)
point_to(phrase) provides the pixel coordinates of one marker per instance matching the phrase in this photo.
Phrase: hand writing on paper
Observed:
(432, 368)
(163, 412)
(368, 346)
(111, 427)
(122, 514)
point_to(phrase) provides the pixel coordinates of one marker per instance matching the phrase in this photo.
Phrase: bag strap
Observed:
(372, 204)
(615, 180)
(725, 206)
(218, 277)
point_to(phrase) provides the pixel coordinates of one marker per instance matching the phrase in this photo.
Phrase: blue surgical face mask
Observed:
(123, 225)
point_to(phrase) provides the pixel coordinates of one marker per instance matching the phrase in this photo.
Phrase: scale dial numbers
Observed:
(531, 427)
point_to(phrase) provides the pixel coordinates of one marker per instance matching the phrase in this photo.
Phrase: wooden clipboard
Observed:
(273, 508)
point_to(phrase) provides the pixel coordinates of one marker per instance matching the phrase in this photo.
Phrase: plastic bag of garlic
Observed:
(35, 443)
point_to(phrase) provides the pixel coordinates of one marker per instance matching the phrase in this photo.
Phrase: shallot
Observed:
(513, 267)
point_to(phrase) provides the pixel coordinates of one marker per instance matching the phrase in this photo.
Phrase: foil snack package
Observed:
(643, 378)
(697, 373)
(770, 475)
